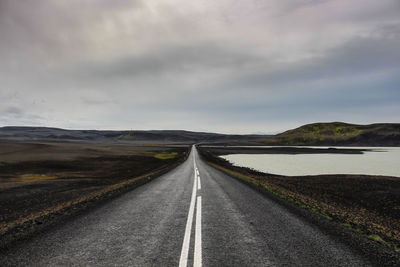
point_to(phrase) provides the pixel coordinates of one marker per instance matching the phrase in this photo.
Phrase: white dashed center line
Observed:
(198, 183)
(197, 243)
(197, 258)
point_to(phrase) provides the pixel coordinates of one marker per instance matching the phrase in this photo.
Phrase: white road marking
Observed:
(197, 258)
(198, 183)
(186, 240)
(197, 241)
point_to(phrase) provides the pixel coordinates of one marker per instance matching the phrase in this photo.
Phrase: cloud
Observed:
(13, 111)
(357, 56)
(175, 60)
(199, 65)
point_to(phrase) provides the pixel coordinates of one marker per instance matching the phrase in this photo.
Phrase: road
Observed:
(192, 216)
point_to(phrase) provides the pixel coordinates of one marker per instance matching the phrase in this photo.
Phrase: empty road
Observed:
(192, 216)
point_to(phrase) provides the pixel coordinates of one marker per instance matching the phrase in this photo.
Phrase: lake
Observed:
(379, 161)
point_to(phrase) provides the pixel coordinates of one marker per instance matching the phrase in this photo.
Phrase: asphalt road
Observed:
(184, 219)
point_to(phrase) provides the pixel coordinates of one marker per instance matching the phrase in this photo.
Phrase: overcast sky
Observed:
(230, 66)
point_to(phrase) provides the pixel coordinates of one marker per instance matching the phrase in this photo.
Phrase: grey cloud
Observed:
(289, 6)
(51, 30)
(13, 111)
(10, 114)
(360, 55)
(181, 59)
(95, 100)
(138, 64)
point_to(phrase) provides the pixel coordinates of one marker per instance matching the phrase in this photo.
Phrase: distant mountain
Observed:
(155, 136)
(328, 134)
(339, 133)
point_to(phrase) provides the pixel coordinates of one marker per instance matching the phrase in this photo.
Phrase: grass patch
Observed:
(376, 238)
(166, 155)
(25, 178)
(351, 227)
(347, 225)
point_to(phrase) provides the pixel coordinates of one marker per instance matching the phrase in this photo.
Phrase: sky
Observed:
(228, 66)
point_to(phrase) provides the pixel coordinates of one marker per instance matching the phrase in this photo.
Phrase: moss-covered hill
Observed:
(339, 133)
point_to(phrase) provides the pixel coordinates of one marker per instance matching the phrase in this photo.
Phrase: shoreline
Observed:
(289, 150)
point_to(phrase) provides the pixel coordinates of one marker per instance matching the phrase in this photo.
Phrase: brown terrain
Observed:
(41, 180)
(366, 204)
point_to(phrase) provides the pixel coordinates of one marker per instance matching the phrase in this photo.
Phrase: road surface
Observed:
(192, 216)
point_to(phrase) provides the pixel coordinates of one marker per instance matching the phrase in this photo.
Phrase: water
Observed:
(380, 161)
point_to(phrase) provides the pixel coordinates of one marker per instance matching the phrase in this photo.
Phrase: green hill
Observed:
(339, 133)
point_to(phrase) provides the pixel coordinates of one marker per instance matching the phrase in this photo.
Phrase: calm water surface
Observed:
(380, 161)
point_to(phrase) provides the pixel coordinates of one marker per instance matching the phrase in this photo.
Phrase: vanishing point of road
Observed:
(194, 215)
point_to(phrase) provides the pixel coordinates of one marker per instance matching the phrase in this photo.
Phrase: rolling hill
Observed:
(339, 133)
(316, 134)
(153, 136)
